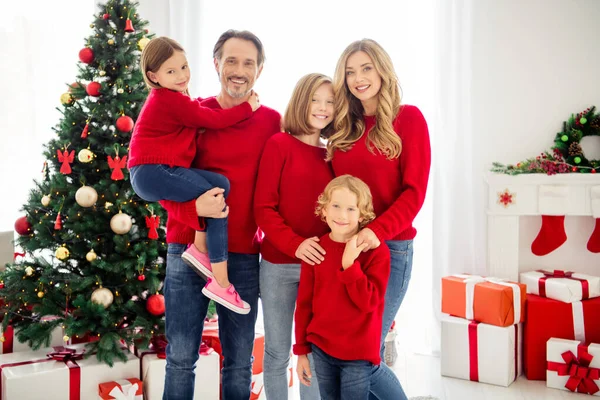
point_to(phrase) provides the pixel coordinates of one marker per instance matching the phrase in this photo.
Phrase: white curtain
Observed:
(39, 45)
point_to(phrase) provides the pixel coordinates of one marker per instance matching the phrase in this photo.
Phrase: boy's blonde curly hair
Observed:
(354, 185)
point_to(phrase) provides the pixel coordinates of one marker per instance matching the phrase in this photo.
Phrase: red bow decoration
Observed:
(116, 165)
(18, 255)
(65, 354)
(582, 377)
(152, 222)
(65, 158)
(557, 273)
(159, 345)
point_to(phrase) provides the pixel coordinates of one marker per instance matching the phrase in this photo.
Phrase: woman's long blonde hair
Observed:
(348, 123)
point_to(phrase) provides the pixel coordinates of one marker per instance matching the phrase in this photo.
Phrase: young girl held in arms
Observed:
(340, 302)
(161, 151)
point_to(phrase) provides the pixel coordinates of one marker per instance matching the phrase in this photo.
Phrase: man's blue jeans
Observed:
(384, 383)
(186, 309)
(154, 182)
(341, 379)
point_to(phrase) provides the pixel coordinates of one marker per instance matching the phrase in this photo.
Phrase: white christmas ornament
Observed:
(85, 156)
(91, 255)
(28, 271)
(86, 196)
(62, 253)
(102, 296)
(46, 201)
(121, 223)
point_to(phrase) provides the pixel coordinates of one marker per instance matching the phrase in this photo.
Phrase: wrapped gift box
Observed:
(33, 375)
(487, 300)
(548, 318)
(130, 389)
(11, 344)
(565, 286)
(207, 375)
(480, 352)
(573, 366)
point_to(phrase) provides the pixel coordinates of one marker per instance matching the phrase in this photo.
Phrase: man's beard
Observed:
(237, 95)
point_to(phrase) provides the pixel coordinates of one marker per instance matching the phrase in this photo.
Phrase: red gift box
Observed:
(131, 387)
(547, 318)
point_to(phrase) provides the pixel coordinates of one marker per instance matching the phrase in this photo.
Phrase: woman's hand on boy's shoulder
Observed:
(310, 251)
(352, 251)
(369, 237)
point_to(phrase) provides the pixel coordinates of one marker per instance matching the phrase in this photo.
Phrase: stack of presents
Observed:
(546, 327)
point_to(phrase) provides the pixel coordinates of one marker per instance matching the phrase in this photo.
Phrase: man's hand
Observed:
(369, 237)
(310, 251)
(254, 101)
(351, 252)
(212, 204)
(303, 370)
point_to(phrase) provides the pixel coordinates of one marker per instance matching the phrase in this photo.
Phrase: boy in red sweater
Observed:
(162, 148)
(345, 293)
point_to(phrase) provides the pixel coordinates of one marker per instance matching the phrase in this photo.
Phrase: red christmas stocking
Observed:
(551, 236)
(593, 244)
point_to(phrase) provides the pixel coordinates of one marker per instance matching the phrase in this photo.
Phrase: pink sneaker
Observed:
(227, 297)
(198, 261)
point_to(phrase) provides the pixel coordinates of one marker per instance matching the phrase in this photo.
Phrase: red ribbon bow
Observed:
(557, 273)
(581, 376)
(65, 354)
(159, 345)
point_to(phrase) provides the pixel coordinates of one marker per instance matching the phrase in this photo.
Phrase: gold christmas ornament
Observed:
(102, 73)
(121, 223)
(2, 339)
(40, 294)
(66, 98)
(91, 256)
(111, 42)
(86, 196)
(108, 205)
(62, 253)
(102, 296)
(85, 156)
(120, 91)
(28, 271)
(142, 43)
(66, 338)
(46, 200)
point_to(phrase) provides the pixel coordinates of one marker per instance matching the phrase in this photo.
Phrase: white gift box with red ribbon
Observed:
(481, 352)
(565, 286)
(122, 389)
(573, 366)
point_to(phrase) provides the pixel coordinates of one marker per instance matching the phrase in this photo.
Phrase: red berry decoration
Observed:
(22, 226)
(106, 16)
(142, 277)
(593, 171)
(124, 123)
(156, 304)
(86, 55)
(93, 89)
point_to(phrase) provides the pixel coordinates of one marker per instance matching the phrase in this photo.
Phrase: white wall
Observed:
(535, 62)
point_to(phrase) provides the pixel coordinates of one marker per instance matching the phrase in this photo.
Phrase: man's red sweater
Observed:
(292, 174)
(166, 129)
(234, 152)
(339, 310)
(399, 185)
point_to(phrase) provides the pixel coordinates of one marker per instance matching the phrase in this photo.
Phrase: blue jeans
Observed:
(186, 308)
(341, 379)
(154, 182)
(278, 292)
(384, 383)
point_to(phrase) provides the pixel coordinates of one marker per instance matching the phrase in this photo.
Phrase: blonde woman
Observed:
(385, 144)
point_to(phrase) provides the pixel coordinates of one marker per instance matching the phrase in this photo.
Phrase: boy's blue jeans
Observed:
(154, 182)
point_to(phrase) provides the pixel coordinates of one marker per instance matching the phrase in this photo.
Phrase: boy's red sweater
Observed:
(339, 310)
(398, 186)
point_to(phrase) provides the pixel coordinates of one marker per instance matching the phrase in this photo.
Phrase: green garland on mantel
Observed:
(567, 155)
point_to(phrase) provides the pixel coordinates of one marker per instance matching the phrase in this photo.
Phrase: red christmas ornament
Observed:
(57, 223)
(1, 285)
(65, 158)
(86, 55)
(141, 277)
(22, 226)
(128, 26)
(85, 131)
(574, 169)
(152, 222)
(156, 304)
(593, 171)
(106, 16)
(124, 123)
(116, 165)
(93, 89)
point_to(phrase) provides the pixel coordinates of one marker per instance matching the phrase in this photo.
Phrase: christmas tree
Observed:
(94, 251)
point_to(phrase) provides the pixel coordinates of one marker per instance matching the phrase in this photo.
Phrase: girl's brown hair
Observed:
(348, 124)
(354, 185)
(297, 113)
(156, 52)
